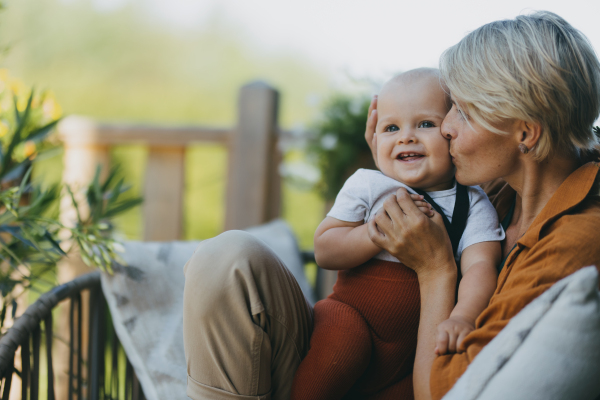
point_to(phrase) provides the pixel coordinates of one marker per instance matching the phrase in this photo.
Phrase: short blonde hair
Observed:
(535, 68)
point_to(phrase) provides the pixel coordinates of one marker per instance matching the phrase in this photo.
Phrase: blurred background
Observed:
(182, 62)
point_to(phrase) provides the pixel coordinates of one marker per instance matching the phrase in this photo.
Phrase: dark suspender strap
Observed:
(459, 215)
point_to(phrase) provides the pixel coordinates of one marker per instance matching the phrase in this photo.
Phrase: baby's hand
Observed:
(451, 333)
(422, 204)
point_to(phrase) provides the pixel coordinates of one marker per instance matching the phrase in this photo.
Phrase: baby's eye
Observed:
(392, 128)
(426, 124)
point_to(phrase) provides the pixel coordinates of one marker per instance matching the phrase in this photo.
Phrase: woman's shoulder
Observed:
(576, 232)
(582, 222)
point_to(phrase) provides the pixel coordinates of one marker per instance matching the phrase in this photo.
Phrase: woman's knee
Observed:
(215, 256)
(225, 270)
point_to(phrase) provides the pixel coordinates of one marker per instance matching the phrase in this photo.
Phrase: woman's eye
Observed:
(392, 128)
(426, 124)
(463, 114)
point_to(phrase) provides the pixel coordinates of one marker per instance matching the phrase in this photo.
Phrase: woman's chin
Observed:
(465, 179)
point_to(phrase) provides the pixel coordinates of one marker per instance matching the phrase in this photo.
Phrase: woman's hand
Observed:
(419, 242)
(422, 244)
(370, 135)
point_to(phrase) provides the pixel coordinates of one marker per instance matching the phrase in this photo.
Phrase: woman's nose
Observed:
(448, 129)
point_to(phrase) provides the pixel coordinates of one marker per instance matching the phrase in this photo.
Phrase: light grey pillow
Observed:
(549, 351)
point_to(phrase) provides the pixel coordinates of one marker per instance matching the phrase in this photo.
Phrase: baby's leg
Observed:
(402, 390)
(340, 350)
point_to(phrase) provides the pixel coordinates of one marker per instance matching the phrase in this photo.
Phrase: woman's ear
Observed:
(529, 133)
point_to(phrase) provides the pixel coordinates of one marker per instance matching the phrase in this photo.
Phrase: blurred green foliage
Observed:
(124, 65)
(339, 147)
(29, 235)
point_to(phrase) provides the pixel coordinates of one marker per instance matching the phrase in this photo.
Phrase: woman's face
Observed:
(478, 154)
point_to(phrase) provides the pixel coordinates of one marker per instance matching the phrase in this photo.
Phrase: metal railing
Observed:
(105, 357)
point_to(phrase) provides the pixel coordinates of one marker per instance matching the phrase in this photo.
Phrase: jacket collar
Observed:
(571, 193)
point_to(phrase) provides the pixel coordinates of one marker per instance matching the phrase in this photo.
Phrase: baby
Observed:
(365, 333)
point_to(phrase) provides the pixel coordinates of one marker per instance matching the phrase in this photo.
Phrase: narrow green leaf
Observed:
(122, 207)
(39, 134)
(74, 203)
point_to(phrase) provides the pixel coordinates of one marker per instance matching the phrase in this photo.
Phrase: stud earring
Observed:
(524, 149)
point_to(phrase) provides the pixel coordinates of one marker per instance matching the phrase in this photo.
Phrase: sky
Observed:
(358, 38)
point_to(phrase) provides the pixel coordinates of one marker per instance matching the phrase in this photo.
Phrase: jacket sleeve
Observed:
(570, 244)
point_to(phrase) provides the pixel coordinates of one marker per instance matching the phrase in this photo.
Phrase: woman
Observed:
(525, 94)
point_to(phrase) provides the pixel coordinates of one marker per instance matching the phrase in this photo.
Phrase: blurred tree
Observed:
(124, 65)
(338, 146)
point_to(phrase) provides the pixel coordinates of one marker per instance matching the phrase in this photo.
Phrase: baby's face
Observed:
(410, 148)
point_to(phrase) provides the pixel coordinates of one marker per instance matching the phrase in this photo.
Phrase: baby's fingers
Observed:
(441, 343)
(452, 338)
(426, 210)
(460, 339)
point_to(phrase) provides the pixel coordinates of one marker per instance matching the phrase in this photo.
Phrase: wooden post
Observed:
(163, 193)
(83, 154)
(253, 187)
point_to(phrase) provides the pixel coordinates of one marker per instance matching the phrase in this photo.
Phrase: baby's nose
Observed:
(407, 136)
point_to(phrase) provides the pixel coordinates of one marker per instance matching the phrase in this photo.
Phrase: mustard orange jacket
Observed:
(563, 238)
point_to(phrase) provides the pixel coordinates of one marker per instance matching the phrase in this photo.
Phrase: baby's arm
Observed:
(343, 245)
(478, 267)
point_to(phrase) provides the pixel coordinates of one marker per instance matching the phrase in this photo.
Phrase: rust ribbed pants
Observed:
(364, 338)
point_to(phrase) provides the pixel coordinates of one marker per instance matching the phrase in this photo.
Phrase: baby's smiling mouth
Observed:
(409, 156)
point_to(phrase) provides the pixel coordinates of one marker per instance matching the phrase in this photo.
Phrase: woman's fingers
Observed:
(370, 135)
(384, 223)
(418, 240)
(375, 234)
(393, 210)
(425, 210)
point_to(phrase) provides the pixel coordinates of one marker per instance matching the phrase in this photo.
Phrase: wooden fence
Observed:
(253, 184)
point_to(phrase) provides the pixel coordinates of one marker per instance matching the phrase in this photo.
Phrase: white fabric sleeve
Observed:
(353, 202)
(482, 224)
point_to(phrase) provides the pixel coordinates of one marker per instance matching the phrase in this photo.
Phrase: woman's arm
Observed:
(422, 244)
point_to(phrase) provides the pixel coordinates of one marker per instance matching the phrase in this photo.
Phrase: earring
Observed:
(524, 149)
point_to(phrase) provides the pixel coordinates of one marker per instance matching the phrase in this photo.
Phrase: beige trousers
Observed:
(246, 323)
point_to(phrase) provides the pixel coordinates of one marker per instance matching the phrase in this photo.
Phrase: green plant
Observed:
(29, 235)
(94, 234)
(339, 146)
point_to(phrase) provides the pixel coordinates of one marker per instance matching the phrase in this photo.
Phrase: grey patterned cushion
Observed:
(146, 303)
(549, 351)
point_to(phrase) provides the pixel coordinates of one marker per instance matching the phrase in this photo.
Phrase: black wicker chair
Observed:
(102, 379)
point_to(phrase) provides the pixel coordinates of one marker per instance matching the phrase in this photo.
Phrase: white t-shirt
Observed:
(364, 192)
